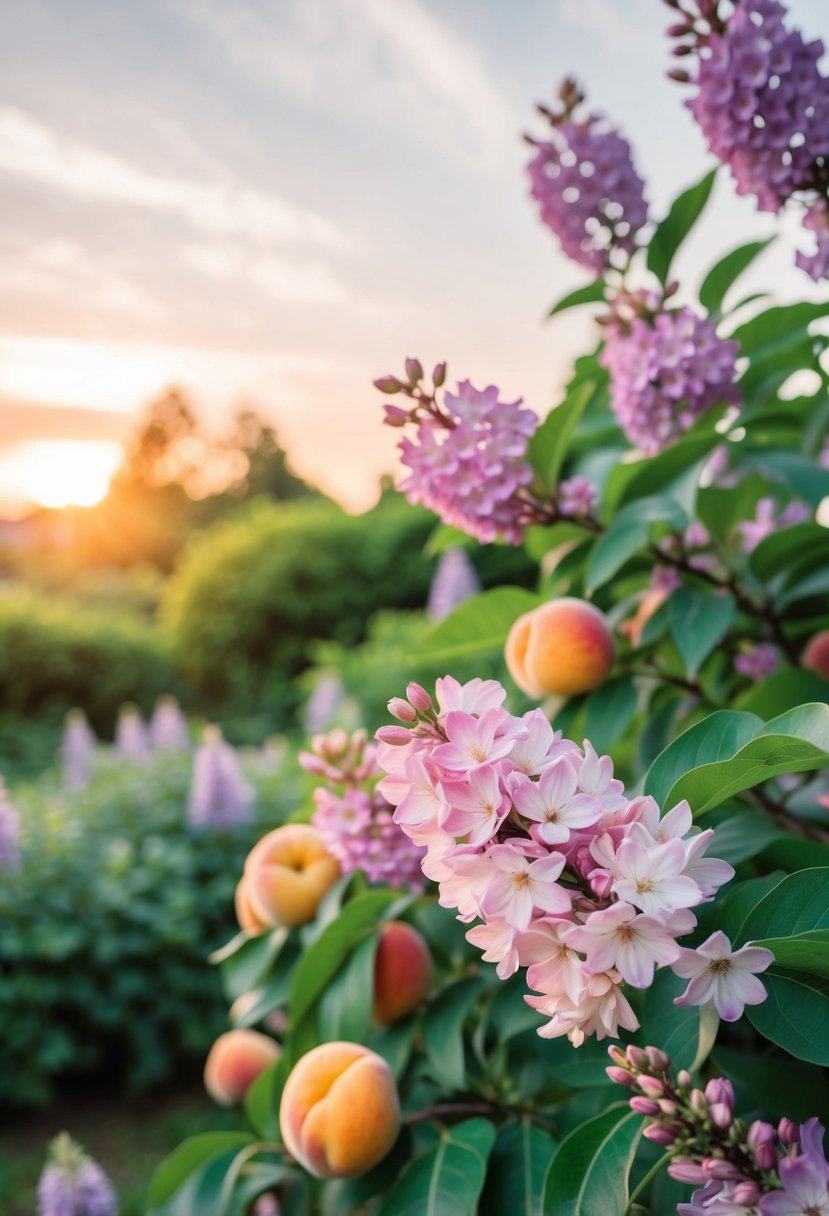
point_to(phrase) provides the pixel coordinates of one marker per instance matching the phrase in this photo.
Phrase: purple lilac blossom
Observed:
(666, 368)
(168, 726)
(469, 464)
(767, 518)
(587, 189)
(359, 830)
(131, 738)
(758, 662)
(71, 1184)
(219, 794)
(577, 496)
(9, 831)
(455, 581)
(76, 751)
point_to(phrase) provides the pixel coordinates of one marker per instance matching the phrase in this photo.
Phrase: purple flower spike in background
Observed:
(168, 726)
(454, 581)
(9, 831)
(219, 794)
(76, 751)
(758, 662)
(588, 191)
(131, 738)
(72, 1184)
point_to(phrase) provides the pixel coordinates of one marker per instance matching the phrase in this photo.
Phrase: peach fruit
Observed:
(402, 972)
(816, 654)
(235, 1061)
(563, 647)
(286, 875)
(339, 1113)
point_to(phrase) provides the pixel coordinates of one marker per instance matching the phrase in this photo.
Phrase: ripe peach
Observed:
(286, 875)
(563, 647)
(339, 1113)
(235, 1061)
(247, 918)
(816, 654)
(402, 972)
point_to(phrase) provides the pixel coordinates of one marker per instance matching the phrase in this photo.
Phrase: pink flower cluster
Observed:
(666, 368)
(759, 1170)
(588, 191)
(769, 517)
(467, 462)
(355, 821)
(534, 836)
(763, 106)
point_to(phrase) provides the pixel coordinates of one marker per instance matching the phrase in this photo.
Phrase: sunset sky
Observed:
(274, 201)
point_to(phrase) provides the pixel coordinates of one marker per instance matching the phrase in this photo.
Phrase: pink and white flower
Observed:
(619, 937)
(722, 975)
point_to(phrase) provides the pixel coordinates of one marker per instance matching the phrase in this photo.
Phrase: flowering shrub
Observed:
(644, 857)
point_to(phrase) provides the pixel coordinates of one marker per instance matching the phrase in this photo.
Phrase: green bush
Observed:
(107, 925)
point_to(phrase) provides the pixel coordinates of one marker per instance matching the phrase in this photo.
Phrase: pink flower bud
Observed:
(684, 1079)
(658, 1059)
(617, 1055)
(402, 710)
(698, 1104)
(621, 1076)
(601, 884)
(397, 736)
(414, 370)
(788, 1132)
(685, 1170)
(419, 697)
(667, 1107)
(760, 1133)
(312, 764)
(638, 1058)
(746, 1194)
(388, 384)
(719, 1170)
(395, 415)
(644, 1106)
(651, 1087)
(438, 374)
(720, 1090)
(659, 1134)
(721, 1114)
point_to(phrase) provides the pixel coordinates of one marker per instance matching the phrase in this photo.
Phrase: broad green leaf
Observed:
(263, 1096)
(698, 621)
(581, 1069)
(539, 541)
(189, 1157)
(799, 904)
(776, 328)
(720, 734)
(814, 585)
(782, 691)
(610, 711)
(743, 836)
(724, 274)
(589, 1173)
(803, 952)
(274, 991)
(674, 1027)
(805, 477)
(319, 964)
(201, 1191)
(479, 625)
(517, 1170)
(259, 1177)
(672, 231)
(664, 473)
(447, 1180)
(742, 897)
(795, 1014)
(245, 966)
(785, 546)
(547, 448)
(443, 1030)
(395, 1043)
(446, 537)
(628, 532)
(593, 293)
(780, 1085)
(351, 1195)
(345, 1008)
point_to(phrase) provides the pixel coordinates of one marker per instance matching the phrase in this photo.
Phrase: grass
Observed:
(128, 1141)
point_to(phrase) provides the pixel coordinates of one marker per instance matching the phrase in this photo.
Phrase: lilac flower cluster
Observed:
(168, 727)
(666, 368)
(467, 462)
(9, 831)
(758, 661)
(577, 496)
(72, 1184)
(533, 835)
(219, 794)
(759, 1170)
(762, 104)
(587, 189)
(455, 580)
(76, 751)
(355, 821)
(768, 516)
(131, 737)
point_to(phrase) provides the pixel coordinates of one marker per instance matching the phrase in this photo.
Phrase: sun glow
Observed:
(58, 472)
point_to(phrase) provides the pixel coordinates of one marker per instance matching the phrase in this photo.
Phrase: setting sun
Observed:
(58, 472)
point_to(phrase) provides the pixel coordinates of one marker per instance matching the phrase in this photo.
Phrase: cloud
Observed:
(309, 282)
(61, 267)
(31, 150)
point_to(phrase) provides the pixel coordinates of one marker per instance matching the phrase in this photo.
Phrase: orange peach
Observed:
(564, 647)
(402, 972)
(247, 918)
(286, 875)
(339, 1113)
(235, 1061)
(816, 654)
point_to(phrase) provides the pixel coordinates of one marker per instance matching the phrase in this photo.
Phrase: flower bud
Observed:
(667, 1107)
(638, 1058)
(621, 1076)
(720, 1090)
(746, 1194)
(617, 1055)
(644, 1106)
(680, 75)
(719, 1170)
(678, 31)
(698, 1104)
(438, 374)
(686, 1170)
(388, 384)
(419, 697)
(402, 710)
(651, 1087)
(721, 1114)
(659, 1134)
(659, 1061)
(601, 884)
(414, 370)
(395, 415)
(684, 1079)
(788, 1132)
(397, 736)
(762, 1141)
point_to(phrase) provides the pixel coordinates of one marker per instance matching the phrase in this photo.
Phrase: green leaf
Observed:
(718, 735)
(804, 477)
(610, 711)
(593, 293)
(780, 1085)
(795, 1014)
(187, 1158)
(447, 1180)
(773, 330)
(784, 690)
(263, 1096)
(249, 962)
(675, 1028)
(318, 965)
(539, 541)
(479, 625)
(724, 273)
(799, 904)
(588, 1175)
(698, 621)
(739, 839)
(517, 1170)
(346, 1005)
(672, 231)
(784, 546)
(446, 537)
(395, 1043)
(548, 446)
(629, 531)
(666, 472)
(443, 1030)
(803, 952)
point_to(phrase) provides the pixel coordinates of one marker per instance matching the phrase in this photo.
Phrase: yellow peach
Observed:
(402, 972)
(564, 647)
(339, 1113)
(235, 1060)
(286, 875)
